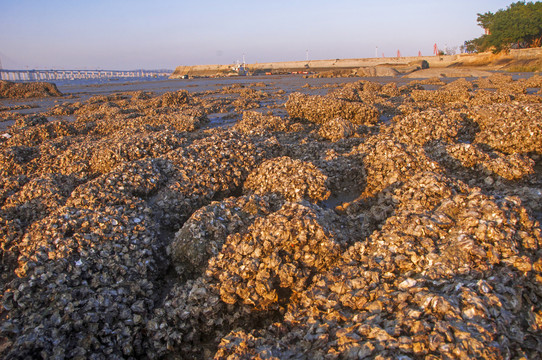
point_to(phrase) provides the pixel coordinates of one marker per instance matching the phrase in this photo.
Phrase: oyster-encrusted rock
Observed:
(320, 109)
(216, 166)
(249, 99)
(276, 257)
(33, 131)
(204, 234)
(425, 126)
(510, 128)
(82, 273)
(422, 286)
(442, 96)
(510, 167)
(293, 179)
(124, 232)
(173, 99)
(387, 162)
(337, 129)
(38, 197)
(256, 123)
(9, 89)
(193, 318)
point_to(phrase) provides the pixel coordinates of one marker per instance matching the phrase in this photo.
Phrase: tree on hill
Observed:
(519, 26)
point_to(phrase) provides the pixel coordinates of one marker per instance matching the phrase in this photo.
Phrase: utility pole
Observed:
(307, 52)
(376, 52)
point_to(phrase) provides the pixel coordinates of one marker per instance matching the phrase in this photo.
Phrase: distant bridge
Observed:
(43, 75)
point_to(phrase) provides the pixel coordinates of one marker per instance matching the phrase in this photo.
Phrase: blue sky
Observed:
(132, 34)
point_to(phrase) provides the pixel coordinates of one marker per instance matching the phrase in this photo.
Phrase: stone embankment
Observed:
(372, 66)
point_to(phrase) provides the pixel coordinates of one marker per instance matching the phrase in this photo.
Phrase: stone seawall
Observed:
(312, 65)
(483, 59)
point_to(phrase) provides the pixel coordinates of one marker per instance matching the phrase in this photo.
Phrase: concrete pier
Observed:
(47, 75)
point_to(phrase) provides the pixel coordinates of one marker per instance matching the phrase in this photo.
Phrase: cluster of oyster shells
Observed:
(427, 294)
(294, 180)
(203, 235)
(337, 129)
(510, 167)
(319, 109)
(256, 123)
(9, 89)
(377, 221)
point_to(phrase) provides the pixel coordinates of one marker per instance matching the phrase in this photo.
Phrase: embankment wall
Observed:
(341, 64)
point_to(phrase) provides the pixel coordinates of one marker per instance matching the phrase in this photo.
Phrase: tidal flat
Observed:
(273, 217)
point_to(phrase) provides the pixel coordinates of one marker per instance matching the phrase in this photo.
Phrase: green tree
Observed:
(485, 20)
(520, 25)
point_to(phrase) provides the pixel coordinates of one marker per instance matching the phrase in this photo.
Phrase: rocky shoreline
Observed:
(141, 230)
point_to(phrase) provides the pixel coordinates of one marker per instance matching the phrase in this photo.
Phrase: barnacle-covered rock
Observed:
(293, 179)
